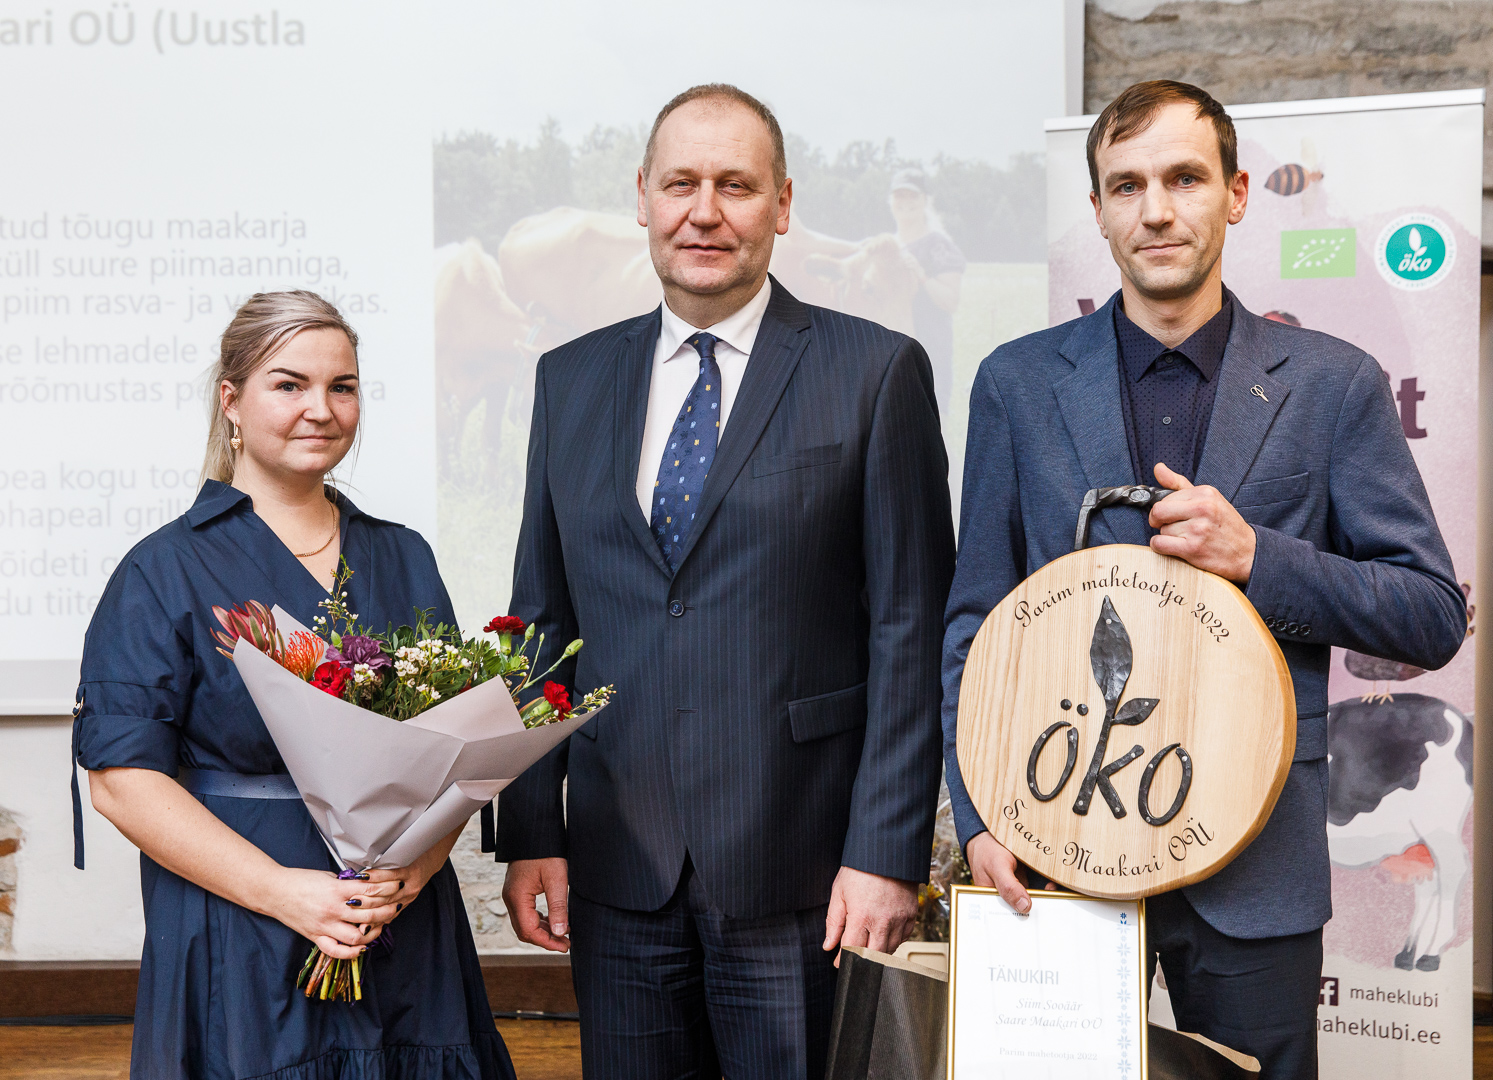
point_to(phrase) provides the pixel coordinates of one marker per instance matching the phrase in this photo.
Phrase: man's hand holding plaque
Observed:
(1199, 526)
(1122, 641)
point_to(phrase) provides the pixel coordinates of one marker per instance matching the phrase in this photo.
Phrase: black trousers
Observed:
(686, 993)
(1257, 996)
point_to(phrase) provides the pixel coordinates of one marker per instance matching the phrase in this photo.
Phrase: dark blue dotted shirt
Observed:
(1167, 394)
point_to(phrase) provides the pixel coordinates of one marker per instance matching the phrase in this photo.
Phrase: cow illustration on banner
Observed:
(1385, 258)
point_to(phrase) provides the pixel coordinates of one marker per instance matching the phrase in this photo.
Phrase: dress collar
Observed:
(214, 500)
(739, 330)
(217, 498)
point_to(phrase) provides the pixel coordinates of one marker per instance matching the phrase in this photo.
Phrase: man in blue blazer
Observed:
(1291, 478)
(741, 503)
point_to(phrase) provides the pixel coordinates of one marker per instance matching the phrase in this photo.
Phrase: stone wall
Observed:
(10, 843)
(482, 889)
(1276, 50)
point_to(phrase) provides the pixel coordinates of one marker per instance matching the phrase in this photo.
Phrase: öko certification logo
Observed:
(1415, 251)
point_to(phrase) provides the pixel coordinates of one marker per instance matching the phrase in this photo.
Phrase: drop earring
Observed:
(236, 442)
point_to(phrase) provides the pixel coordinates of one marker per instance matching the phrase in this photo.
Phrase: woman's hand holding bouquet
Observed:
(393, 798)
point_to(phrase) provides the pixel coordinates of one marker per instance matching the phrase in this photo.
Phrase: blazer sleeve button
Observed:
(676, 608)
(1306, 629)
(1291, 628)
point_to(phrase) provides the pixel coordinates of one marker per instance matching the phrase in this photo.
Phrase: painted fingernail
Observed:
(401, 887)
(354, 902)
(365, 929)
(397, 907)
(363, 876)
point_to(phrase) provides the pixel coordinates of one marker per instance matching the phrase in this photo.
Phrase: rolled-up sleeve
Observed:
(136, 674)
(125, 725)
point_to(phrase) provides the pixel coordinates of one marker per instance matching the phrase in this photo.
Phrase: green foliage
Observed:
(480, 500)
(425, 664)
(605, 169)
(845, 196)
(483, 185)
(995, 215)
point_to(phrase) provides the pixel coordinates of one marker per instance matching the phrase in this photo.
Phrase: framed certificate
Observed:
(1058, 993)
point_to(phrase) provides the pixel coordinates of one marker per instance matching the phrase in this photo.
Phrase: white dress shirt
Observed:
(676, 366)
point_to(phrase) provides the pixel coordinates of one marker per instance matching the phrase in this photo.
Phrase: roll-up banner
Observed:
(1363, 222)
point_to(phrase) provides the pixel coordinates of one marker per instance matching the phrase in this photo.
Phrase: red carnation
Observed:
(506, 624)
(331, 677)
(558, 697)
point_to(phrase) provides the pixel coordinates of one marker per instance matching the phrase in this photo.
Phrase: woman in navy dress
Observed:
(237, 883)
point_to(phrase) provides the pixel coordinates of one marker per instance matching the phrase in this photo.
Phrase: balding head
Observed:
(725, 96)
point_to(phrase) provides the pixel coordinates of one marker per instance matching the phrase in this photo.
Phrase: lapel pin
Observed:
(1258, 391)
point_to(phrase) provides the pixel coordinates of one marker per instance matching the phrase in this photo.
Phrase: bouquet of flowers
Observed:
(394, 739)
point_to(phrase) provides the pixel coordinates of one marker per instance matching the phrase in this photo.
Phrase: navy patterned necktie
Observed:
(687, 456)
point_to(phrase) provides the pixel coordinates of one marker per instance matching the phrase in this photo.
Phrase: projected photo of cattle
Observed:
(537, 242)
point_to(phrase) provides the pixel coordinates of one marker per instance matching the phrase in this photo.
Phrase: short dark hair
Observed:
(1136, 107)
(725, 92)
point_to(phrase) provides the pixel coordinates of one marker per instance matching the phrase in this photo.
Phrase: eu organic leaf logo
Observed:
(1318, 253)
(1415, 244)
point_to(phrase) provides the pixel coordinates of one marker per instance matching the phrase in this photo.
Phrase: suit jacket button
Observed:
(1291, 628)
(1306, 629)
(676, 608)
(1270, 622)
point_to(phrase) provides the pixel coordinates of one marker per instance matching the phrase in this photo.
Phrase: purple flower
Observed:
(357, 649)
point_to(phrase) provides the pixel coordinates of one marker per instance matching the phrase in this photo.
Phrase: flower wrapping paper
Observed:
(383, 791)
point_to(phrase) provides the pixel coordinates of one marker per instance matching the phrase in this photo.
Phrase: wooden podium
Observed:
(1126, 722)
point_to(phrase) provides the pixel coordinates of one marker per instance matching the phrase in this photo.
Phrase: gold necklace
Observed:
(336, 522)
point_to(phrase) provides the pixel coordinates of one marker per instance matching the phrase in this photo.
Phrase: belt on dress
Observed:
(234, 785)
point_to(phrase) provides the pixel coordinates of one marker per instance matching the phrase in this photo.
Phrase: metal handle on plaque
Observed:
(1137, 495)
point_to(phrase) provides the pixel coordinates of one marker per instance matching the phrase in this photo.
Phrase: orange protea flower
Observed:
(253, 621)
(303, 653)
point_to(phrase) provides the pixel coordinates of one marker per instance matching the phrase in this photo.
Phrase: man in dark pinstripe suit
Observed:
(741, 503)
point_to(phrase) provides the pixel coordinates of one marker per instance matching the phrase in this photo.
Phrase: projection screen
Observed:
(165, 163)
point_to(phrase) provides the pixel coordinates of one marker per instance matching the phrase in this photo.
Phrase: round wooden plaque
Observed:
(1126, 722)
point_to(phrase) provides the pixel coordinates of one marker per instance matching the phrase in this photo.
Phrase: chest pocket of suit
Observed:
(796, 459)
(1281, 489)
(823, 715)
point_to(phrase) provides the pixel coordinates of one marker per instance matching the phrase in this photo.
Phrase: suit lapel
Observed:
(1241, 417)
(630, 412)
(1089, 400)
(780, 343)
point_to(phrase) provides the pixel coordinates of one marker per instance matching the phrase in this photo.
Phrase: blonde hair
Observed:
(260, 328)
